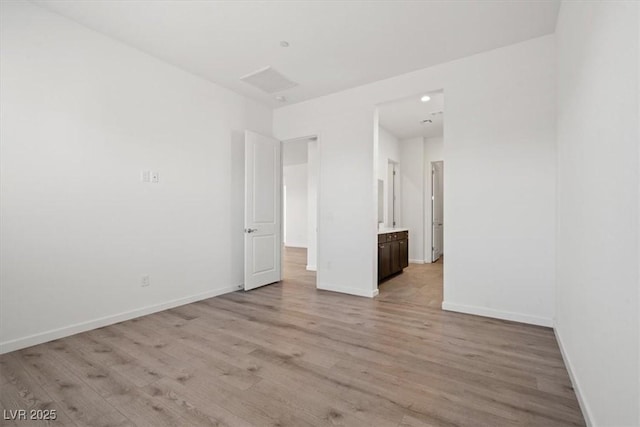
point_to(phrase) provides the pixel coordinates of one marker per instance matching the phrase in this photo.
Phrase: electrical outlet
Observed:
(155, 177)
(145, 281)
(145, 176)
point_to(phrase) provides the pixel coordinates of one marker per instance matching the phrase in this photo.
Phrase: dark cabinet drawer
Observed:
(392, 237)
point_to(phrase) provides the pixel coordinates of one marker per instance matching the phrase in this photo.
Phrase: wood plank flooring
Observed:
(421, 284)
(289, 355)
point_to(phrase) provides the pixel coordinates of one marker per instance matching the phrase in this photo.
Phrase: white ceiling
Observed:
(403, 117)
(334, 45)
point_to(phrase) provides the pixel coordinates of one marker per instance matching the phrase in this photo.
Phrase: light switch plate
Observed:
(145, 176)
(155, 177)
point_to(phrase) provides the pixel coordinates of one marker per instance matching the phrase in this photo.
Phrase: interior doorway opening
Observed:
(409, 162)
(299, 210)
(437, 210)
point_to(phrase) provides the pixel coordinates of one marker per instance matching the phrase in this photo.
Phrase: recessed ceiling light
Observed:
(425, 98)
(284, 43)
(281, 98)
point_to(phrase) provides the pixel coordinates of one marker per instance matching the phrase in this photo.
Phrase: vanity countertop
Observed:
(391, 230)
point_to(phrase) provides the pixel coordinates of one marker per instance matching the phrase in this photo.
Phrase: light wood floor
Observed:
(289, 355)
(418, 284)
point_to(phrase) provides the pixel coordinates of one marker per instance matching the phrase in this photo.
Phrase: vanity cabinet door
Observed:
(395, 256)
(404, 253)
(384, 260)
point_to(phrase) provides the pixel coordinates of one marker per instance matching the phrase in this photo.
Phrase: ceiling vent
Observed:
(268, 80)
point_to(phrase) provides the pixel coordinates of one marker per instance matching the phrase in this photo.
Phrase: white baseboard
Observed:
(346, 290)
(295, 245)
(586, 412)
(54, 334)
(312, 268)
(497, 314)
(416, 261)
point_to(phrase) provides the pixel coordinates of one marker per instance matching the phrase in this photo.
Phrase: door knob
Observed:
(250, 230)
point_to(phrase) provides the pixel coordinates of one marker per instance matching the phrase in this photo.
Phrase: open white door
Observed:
(262, 204)
(437, 234)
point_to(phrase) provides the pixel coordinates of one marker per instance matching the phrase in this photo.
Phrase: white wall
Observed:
(500, 232)
(81, 116)
(295, 152)
(389, 151)
(296, 220)
(346, 219)
(597, 321)
(412, 164)
(312, 205)
(433, 152)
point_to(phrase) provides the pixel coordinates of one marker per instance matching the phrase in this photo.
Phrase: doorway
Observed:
(409, 136)
(299, 210)
(437, 210)
(281, 180)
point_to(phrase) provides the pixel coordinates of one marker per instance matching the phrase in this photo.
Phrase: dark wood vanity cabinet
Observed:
(393, 253)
